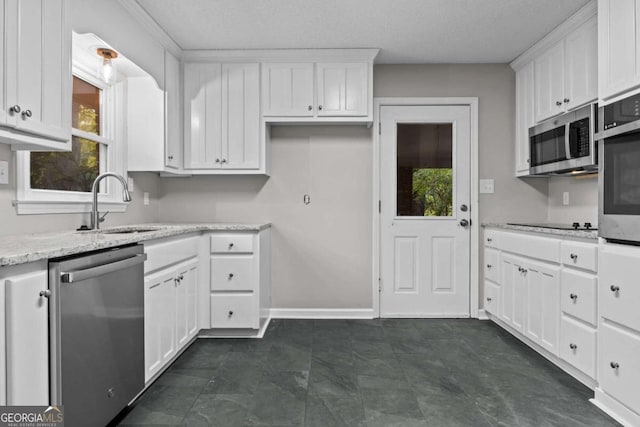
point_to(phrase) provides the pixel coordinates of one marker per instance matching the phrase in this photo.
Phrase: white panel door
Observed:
(424, 183)
(549, 83)
(287, 89)
(173, 112)
(543, 304)
(342, 89)
(203, 115)
(581, 65)
(159, 321)
(27, 339)
(241, 123)
(186, 284)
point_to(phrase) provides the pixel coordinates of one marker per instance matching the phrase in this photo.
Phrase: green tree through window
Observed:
(432, 190)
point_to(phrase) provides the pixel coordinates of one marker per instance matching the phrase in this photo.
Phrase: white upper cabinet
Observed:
(222, 116)
(619, 46)
(173, 112)
(524, 116)
(287, 90)
(36, 75)
(566, 73)
(342, 89)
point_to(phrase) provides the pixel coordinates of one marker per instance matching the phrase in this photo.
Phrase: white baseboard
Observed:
(426, 316)
(482, 314)
(322, 313)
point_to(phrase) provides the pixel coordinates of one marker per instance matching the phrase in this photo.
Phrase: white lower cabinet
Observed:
(170, 300)
(542, 304)
(578, 345)
(24, 335)
(513, 286)
(234, 311)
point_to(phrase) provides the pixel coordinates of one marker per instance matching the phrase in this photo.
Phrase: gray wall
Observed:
(583, 199)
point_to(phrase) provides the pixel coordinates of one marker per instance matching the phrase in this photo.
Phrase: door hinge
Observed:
(379, 206)
(379, 128)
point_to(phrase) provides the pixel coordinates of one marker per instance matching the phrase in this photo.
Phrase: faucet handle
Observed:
(102, 217)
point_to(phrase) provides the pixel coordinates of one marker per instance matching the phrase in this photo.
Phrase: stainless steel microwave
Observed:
(565, 144)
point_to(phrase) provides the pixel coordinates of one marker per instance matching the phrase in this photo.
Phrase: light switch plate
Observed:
(486, 186)
(4, 172)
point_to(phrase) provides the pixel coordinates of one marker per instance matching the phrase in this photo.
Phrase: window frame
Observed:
(112, 135)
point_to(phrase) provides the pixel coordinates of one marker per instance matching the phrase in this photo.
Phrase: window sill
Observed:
(39, 207)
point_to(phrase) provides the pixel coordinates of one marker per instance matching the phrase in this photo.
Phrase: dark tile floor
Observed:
(389, 372)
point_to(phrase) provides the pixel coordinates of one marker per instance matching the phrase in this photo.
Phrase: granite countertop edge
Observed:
(584, 234)
(25, 248)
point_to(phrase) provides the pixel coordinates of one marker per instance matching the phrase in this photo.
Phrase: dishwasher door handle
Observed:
(89, 273)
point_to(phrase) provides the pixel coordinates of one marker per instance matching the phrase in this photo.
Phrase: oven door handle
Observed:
(89, 273)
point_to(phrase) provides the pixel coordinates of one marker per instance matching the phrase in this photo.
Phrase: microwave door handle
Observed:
(567, 140)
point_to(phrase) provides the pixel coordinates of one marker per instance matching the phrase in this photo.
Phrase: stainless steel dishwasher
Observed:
(97, 333)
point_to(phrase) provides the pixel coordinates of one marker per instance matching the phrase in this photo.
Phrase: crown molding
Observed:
(281, 55)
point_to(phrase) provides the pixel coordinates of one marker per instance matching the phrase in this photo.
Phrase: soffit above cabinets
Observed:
(410, 31)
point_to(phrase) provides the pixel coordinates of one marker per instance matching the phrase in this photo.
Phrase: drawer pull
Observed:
(489, 266)
(574, 257)
(230, 313)
(614, 365)
(615, 288)
(572, 346)
(489, 299)
(230, 276)
(573, 297)
(230, 245)
(489, 239)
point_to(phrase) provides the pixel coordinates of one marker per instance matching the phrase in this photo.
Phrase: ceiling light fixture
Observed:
(107, 70)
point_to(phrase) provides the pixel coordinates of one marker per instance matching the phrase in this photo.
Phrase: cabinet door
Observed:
(27, 339)
(287, 90)
(492, 298)
(549, 83)
(241, 127)
(543, 304)
(145, 124)
(524, 116)
(159, 321)
(581, 65)
(513, 288)
(3, 52)
(186, 285)
(173, 113)
(342, 89)
(43, 74)
(203, 115)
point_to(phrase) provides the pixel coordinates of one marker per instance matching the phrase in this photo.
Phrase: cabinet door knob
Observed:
(574, 257)
(217, 160)
(319, 107)
(572, 346)
(528, 160)
(566, 100)
(615, 288)
(230, 276)
(26, 114)
(489, 265)
(181, 277)
(230, 245)
(15, 109)
(489, 239)
(170, 157)
(230, 313)
(573, 296)
(558, 103)
(614, 365)
(489, 299)
(46, 293)
(310, 107)
(224, 160)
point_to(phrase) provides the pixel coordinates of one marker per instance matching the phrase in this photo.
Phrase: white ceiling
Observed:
(406, 31)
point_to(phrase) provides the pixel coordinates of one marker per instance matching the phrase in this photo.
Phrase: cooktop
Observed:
(559, 226)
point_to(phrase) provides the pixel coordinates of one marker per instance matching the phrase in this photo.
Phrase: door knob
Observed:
(46, 293)
(464, 223)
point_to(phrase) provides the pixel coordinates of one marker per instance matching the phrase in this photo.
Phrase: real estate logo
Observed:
(31, 416)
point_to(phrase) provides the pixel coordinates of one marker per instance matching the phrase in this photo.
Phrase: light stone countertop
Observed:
(24, 248)
(584, 234)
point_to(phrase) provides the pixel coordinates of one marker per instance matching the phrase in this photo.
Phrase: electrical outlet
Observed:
(565, 198)
(4, 172)
(487, 186)
(145, 198)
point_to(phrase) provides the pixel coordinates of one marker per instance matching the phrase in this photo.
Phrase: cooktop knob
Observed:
(587, 225)
(575, 225)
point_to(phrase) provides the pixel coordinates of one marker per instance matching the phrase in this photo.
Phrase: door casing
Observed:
(474, 279)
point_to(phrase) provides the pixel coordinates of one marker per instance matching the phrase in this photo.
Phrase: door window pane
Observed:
(424, 169)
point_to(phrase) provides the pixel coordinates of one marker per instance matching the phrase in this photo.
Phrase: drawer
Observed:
(491, 298)
(491, 264)
(618, 288)
(233, 273)
(491, 238)
(580, 255)
(234, 311)
(578, 293)
(229, 243)
(619, 364)
(578, 345)
(542, 248)
(161, 254)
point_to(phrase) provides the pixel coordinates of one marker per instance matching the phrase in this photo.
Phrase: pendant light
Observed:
(107, 70)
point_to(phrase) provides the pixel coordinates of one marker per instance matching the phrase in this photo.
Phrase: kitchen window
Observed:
(60, 182)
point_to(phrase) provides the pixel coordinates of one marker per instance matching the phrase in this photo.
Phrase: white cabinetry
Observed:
(24, 330)
(524, 116)
(222, 117)
(36, 75)
(566, 74)
(172, 112)
(170, 300)
(240, 283)
(287, 89)
(343, 89)
(619, 47)
(619, 332)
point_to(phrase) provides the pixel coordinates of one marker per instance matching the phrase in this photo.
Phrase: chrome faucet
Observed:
(95, 215)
